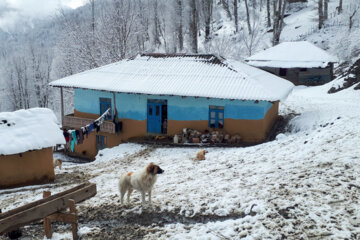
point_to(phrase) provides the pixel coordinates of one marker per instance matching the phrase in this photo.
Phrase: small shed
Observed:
(302, 63)
(27, 138)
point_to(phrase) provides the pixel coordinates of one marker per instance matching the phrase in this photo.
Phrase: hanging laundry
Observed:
(86, 131)
(77, 133)
(97, 126)
(66, 135)
(91, 127)
(81, 137)
(74, 136)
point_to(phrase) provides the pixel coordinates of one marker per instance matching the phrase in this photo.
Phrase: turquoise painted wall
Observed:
(133, 106)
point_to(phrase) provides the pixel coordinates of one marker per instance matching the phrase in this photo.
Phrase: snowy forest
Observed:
(36, 51)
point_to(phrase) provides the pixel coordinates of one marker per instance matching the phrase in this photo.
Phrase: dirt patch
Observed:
(128, 222)
(147, 216)
(73, 177)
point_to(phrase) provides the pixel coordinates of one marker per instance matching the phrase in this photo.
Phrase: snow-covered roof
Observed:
(30, 129)
(292, 55)
(182, 75)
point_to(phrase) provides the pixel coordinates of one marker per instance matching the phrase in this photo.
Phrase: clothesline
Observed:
(74, 137)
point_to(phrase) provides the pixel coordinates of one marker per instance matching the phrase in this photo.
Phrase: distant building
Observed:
(159, 94)
(27, 138)
(299, 62)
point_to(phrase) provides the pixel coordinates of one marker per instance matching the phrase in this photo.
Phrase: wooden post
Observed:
(47, 221)
(62, 104)
(74, 225)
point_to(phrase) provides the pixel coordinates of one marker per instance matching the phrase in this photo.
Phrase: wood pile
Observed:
(215, 136)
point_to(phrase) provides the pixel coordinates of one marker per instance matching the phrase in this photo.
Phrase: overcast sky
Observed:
(13, 10)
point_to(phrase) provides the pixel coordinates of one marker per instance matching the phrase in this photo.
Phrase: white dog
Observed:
(142, 181)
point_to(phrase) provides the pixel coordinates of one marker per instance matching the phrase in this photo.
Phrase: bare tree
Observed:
(252, 39)
(321, 13)
(326, 2)
(193, 26)
(207, 8)
(340, 8)
(156, 24)
(179, 30)
(225, 4)
(248, 16)
(268, 13)
(352, 15)
(279, 11)
(236, 16)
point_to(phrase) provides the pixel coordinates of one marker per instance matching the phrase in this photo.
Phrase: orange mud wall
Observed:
(32, 167)
(251, 131)
(131, 128)
(252, 120)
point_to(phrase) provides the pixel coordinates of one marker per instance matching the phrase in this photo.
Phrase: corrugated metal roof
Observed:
(301, 54)
(183, 75)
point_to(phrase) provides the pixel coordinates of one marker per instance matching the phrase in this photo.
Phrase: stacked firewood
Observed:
(216, 136)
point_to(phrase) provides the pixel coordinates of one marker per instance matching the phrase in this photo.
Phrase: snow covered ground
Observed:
(303, 185)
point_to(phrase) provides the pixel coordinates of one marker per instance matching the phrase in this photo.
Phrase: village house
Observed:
(302, 63)
(27, 138)
(159, 94)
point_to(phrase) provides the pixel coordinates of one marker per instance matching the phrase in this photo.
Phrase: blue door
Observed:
(154, 114)
(216, 117)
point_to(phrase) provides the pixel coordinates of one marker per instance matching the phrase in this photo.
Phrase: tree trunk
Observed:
(321, 14)
(180, 25)
(268, 13)
(225, 5)
(326, 9)
(351, 18)
(156, 25)
(236, 16)
(248, 16)
(207, 12)
(279, 12)
(193, 26)
(339, 8)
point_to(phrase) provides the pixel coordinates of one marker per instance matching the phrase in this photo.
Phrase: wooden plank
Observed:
(47, 222)
(46, 208)
(38, 202)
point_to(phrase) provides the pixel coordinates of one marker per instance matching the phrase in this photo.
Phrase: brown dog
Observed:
(200, 155)
(143, 181)
(57, 162)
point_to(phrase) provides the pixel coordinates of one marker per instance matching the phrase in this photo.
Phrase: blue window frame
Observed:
(100, 142)
(216, 117)
(105, 103)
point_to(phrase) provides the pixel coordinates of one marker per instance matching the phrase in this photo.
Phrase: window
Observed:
(101, 142)
(105, 103)
(150, 110)
(216, 117)
(283, 72)
(157, 110)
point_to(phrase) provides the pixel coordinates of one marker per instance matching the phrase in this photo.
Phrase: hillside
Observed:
(52, 39)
